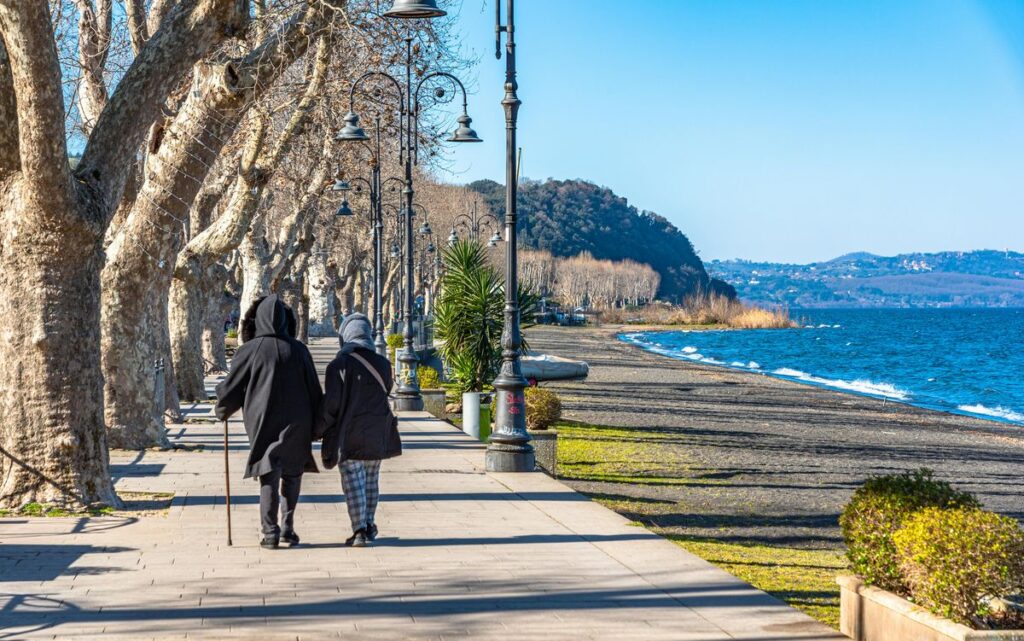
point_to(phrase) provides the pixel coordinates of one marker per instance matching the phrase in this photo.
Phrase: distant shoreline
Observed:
(808, 380)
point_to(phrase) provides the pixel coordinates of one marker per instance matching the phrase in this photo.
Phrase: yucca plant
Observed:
(469, 315)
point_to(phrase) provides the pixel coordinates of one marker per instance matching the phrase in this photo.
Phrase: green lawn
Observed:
(597, 454)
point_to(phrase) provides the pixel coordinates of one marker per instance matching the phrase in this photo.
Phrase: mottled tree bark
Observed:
(53, 444)
(219, 305)
(233, 229)
(95, 21)
(141, 260)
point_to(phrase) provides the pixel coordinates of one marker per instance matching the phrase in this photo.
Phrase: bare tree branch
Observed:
(94, 28)
(190, 30)
(35, 72)
(157, 12)
(137, 29)
(228, 231)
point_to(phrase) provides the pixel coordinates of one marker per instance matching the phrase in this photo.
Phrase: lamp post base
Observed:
(510, 458)
(408, 403)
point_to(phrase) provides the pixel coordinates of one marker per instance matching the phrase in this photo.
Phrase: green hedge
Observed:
(954, 560)
(428, 376)
(394, 341)
(878, 509)
(543, 408)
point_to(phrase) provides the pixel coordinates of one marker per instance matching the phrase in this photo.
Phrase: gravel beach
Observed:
(762, 460)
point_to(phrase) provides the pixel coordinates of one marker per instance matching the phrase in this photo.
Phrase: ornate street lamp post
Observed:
(472, 224)
(407, 394)
(375, 187)
(509, 448)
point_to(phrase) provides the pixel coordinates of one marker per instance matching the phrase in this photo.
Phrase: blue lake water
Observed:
(962, 361)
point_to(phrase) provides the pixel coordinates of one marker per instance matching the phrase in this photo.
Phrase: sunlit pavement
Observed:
(462, 554)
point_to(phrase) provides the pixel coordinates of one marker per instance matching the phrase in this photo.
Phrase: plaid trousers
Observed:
(360, 481)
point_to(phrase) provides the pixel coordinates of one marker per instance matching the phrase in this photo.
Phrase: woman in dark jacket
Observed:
(358, 425)
(274, 382)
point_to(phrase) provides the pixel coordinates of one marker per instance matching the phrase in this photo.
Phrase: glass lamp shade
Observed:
(453, 238)
(344, 210)
(340, 185)
(465, 133)
(395, 252)
(425, 229)
(495, 239)
(430, 248)
(415, 9)
(351, 132)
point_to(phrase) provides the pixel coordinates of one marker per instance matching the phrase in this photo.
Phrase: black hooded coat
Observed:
(274, 382)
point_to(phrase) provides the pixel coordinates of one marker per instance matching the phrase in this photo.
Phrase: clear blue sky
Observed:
(790, 130)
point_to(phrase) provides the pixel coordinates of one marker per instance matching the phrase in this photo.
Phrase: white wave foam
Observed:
(997, 412)
(689, 350)
(754, 365)
(871, 388)
(861, 386)
(785, 371)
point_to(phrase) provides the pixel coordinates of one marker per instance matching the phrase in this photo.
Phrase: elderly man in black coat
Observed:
(273, 381)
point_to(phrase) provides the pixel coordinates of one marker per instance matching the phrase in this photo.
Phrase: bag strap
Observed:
(373, 370)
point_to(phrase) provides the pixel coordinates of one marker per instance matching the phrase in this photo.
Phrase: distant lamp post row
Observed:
(509, 448)
(472, 224)
(407, 396)
(375, 187)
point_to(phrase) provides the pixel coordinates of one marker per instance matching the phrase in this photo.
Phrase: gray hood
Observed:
(356, 332)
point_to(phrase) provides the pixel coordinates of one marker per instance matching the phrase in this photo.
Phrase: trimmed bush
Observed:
(394, 341)
(429, 378)
(543, 408)
(955, 560)
(232, 333)
(878, 509)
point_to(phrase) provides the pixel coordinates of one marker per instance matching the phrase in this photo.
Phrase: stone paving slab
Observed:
(463, 555)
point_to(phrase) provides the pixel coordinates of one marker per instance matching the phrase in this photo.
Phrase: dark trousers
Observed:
(273, 486)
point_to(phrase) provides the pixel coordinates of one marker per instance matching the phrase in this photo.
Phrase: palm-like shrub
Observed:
(468, 315)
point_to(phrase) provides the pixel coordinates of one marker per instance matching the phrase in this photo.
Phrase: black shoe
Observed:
(371, 532)
(269, 543)
(291, 539)
(357, 540)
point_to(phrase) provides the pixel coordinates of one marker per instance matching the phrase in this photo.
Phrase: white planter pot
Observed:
(471, 414)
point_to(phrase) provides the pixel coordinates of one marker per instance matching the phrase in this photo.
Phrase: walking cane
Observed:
(227, 480)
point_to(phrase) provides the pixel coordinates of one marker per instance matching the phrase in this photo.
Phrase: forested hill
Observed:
(567, 217)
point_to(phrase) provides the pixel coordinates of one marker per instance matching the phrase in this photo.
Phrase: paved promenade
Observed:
(463, 555)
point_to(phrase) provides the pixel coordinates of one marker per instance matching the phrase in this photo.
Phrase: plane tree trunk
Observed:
(53, 446)
(140, 265)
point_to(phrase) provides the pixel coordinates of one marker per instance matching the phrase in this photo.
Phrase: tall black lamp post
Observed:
(509, 448)
(407, 394)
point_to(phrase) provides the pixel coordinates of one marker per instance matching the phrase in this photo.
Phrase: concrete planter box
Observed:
(545, 446)
(434, 402)
(870, 614)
